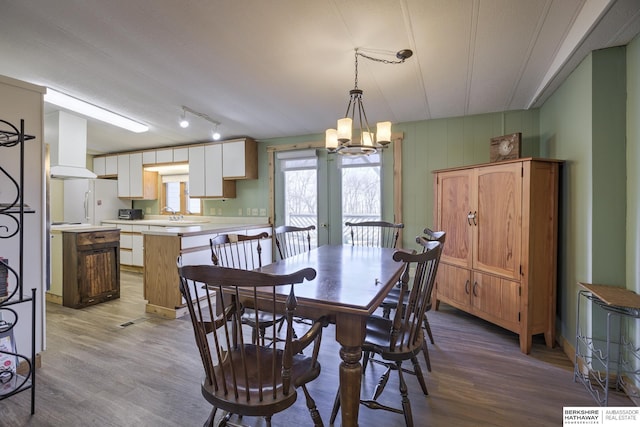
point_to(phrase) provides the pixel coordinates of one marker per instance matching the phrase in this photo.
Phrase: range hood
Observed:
(66, 135)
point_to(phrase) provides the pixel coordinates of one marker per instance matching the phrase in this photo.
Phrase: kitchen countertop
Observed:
(194, 227)
(81, 228)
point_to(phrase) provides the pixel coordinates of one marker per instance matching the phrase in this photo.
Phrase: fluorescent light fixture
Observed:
(90, 110)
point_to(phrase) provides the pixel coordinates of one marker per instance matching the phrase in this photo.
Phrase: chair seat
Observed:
(302, 371)
(377, 340)
(264, 319)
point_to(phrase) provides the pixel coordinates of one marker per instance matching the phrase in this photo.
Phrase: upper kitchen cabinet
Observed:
(133, 181)
(149, 157)
(171, 155)
(240, 159)
(105, 166)
(206, 173)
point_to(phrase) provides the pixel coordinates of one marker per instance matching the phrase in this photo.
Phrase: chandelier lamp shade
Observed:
(343, 139)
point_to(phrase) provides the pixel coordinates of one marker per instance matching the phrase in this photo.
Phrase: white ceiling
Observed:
(285, 67)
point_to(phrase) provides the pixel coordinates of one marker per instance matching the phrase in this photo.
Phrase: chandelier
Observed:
(342, 139)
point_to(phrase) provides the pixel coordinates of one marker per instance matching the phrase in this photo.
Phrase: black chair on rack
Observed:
(391, 300)
(292, 240)
(241, 378)
(244, 253)
(380, 234)
(399, 339)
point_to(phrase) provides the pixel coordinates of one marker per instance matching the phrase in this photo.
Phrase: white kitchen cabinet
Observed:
(181, 155)
(135, 175)
(240, 159)
(205, 173)
(149, 157)
(99, 166)
(126, 242)
(137, 245)
(133, 181)
(123, 176)
(105, 166)
(111, 165)
(137, 250)
(164, 156)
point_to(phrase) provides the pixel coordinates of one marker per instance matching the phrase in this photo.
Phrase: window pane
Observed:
(173, 195)
(300, 200)
(194, 205)
(361, 201)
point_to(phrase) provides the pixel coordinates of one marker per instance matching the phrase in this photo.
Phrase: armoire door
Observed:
(497, 236)
(453, 191)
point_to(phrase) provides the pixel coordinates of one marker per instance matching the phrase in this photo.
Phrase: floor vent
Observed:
(133, 322)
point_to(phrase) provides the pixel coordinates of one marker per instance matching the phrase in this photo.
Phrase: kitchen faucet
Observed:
(173, 216)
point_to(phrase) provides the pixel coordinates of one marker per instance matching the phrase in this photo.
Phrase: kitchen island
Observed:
(164, 244)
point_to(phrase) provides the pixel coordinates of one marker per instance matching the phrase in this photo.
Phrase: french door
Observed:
(312, 187)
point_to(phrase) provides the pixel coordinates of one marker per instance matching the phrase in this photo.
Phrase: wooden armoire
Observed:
(499, 261)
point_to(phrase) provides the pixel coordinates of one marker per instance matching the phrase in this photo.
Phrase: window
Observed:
(300, 189)
(175, 196)
(361, 189)
(313, 187)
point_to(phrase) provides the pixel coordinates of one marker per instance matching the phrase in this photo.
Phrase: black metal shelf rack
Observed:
(12, 214)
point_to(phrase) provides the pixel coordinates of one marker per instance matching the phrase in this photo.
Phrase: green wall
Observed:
(633, 172)
(583, 122)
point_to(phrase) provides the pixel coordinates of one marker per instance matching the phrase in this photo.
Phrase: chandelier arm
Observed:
(362, 114)
(349, 105)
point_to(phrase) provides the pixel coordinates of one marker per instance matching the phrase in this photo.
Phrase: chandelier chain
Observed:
(355, 86)
(403, 55)
(384, 61)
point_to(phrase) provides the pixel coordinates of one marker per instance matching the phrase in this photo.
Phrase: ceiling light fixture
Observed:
(184, 123)
(74, 104)
(215, 134)
(341, 140)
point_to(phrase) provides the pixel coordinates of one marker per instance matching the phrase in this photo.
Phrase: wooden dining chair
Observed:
(245, 253)
(400, 339)
(391, 300)
(292, 240)
(381, 234)
(243, 378)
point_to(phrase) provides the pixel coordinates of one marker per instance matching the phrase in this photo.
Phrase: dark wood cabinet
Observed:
(91, 267)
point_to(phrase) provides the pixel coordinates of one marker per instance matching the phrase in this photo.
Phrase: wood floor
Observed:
(112, 365)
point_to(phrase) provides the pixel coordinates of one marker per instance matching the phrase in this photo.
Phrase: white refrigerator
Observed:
(90, 201)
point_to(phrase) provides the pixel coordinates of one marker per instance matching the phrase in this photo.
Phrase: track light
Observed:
(184, 123)
(215, 134)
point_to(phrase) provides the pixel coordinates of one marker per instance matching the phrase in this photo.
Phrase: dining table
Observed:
(350, 284)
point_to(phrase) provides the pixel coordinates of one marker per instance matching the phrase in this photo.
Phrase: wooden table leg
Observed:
(350, 331)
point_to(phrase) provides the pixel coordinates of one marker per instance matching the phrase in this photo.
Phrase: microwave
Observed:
(130, 214)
